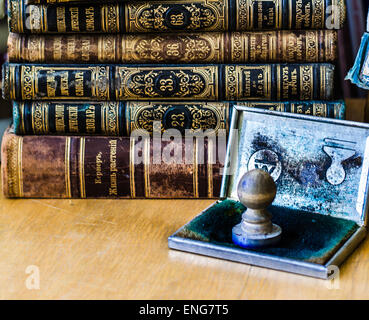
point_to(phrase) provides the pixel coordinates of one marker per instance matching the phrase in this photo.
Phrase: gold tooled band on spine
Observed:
(40, 118)
(147, 167)
(318, 14)
(12, 84)
(127, 111)
(110, 119)
(289, 13)
(110, 18)
(20, 15)
(44, 25)
(68, 192)
(279, 13)
(210, 168)
(103, 117)
(14, 167)
(132, 167)
(195, 170)
(20, 170)
(81, 168)
(22, 120)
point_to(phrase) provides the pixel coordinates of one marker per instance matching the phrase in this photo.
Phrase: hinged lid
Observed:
(319, 165)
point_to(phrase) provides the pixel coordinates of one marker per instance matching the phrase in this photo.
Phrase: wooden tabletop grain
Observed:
(117, 249)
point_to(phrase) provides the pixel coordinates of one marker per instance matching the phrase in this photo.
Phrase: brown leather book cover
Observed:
(110, 167)
(205, 47)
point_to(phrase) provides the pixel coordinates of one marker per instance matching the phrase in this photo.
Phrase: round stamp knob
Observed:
(256, 191)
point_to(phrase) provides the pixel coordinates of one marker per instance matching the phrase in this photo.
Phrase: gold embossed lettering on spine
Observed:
(181, 116)
(279, 82)
(168, 83)
(210, 47)
(195, 15)
(12, 174)
(177, 16)
(163, 83)
(290, 14)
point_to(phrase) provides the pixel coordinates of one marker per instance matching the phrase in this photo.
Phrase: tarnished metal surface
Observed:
(318, 166)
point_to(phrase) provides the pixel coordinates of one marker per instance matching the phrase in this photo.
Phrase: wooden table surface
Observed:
(117, 249)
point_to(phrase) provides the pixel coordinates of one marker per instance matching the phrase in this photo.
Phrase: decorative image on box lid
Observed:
(320, 168)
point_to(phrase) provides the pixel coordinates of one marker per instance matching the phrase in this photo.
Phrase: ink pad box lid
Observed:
(321, 169)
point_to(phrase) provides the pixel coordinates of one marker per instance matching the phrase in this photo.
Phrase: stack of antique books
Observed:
(109, 99)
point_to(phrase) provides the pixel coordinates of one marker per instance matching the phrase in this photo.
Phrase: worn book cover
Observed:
(205, 47)
(239, 82)
(110, 167)
(123, 118)
(175, 15)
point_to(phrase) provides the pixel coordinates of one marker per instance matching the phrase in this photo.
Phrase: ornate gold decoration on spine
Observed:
(81, 167)
(36, 19)
(110, 18)
(318, 14)
(204, 116)
(15, 16)
(307, 82)
(7, 83)
(34, 52)
(107, 48)
(238, 82)
(100, 81)
(207, 47)
(132, 167)
(245, 10)
(183, 83)
(239, 47)
(110, 118)
(320, 109)
(209, 15)
(312, 46)
(341, 4)
(231, 80)
(40, 118)
(28, 77)
(198, 47)
(14, 167)
(68, 192)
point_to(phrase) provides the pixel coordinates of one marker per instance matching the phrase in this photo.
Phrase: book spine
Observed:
(208, 47)
(123, 118)
(118, 118)
(240, 82)
(176, 15)
(108, 167)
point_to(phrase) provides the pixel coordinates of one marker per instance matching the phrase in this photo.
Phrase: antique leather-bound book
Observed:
(205, 47)
(157, 82)
(110, 167)
(123, 118)
(176, 15)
